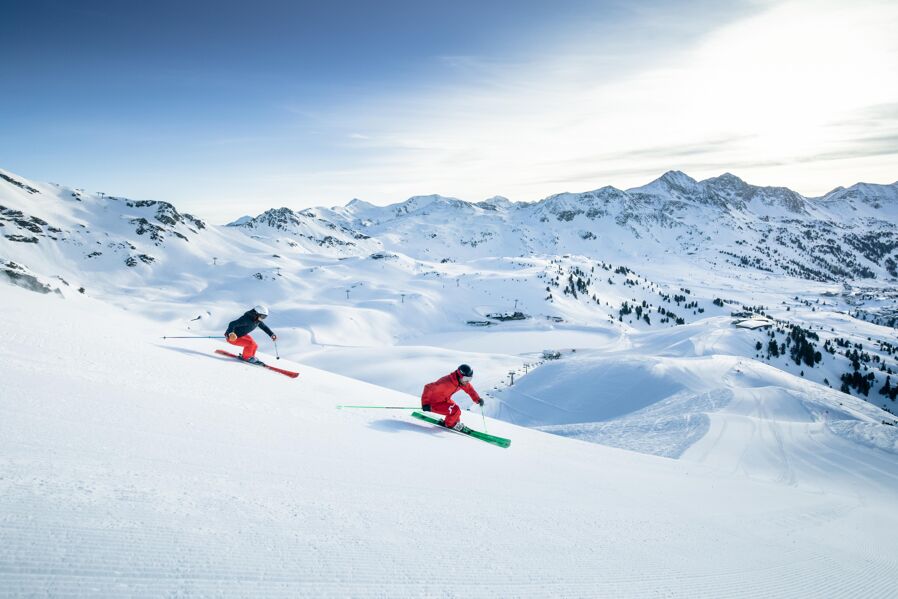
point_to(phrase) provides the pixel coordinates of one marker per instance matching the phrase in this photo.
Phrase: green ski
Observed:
(469, 431)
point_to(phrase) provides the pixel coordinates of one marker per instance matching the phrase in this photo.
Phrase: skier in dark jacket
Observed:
(437, 396)
(239, 330)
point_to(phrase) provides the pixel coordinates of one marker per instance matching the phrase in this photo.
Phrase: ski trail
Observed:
(762, 435)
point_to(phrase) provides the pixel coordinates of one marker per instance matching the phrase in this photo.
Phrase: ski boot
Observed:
(458, 426)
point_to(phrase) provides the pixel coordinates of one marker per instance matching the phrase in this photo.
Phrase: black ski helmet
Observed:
(466, 370)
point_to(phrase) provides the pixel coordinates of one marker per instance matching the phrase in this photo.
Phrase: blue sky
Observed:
(227, 108)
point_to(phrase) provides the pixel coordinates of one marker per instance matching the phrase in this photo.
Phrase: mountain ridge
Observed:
(845, 235)
(616, 261)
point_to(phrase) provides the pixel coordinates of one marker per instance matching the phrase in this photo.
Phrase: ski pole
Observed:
(194, 337)
(484, 419)
(382, 407)
(276, 349)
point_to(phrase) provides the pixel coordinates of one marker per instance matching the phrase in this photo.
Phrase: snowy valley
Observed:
(699, 379)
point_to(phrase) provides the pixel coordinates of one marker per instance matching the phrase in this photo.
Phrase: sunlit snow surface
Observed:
(136, 466)
(133, 466)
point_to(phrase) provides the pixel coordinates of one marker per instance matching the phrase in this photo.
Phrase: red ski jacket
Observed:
(442, 390)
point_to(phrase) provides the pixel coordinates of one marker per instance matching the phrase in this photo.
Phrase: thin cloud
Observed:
(725, 102)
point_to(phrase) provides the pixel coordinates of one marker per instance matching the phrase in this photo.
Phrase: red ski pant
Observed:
(449, 409)
(248, 344)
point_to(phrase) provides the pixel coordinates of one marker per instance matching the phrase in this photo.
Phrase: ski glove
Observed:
(479, 401)
(425, 408)
(274, 337)
(232, 336)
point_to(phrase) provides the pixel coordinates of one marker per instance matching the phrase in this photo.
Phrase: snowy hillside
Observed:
(137, 467)
(726, 351)
(603, 265)
(616, 262)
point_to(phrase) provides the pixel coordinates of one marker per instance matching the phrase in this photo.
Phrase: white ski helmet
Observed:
(261, 310)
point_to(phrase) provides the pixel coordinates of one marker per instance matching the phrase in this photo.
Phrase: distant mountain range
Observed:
(719, 223)
(846, 234)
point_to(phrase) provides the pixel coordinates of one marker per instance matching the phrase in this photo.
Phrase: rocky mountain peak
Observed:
(277, 218)
(677, 178)
(670, 183)
(495, 203)
(726, 181)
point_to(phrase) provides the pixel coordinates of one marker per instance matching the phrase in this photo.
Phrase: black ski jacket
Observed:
(246, 324)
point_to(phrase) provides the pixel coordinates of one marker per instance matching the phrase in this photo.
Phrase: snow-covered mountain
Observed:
(309, 230)
(673, 252)
(847, 234)
(719, 220)
(737, 329)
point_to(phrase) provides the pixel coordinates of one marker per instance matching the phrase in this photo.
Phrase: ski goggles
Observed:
(465, 380)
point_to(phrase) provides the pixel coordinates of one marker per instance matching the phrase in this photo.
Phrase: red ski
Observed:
(289, 373)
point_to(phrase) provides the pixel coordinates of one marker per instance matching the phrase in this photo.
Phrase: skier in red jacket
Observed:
(437, 396)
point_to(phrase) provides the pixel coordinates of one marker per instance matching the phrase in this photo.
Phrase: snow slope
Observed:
(132, 466)
(399, 315)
